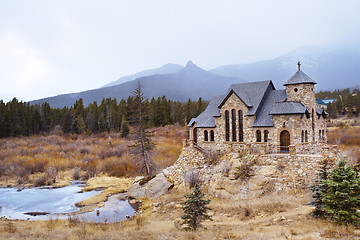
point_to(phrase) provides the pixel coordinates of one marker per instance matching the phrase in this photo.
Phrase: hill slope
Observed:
(165, 69)
(190, 82)
(332, 68)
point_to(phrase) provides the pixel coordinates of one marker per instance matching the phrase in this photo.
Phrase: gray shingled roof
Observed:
(275, 104)
(321, 111)
(288, 108)
(263, 118)
(262, 100)
(206, 118)
(298, 78)
(250, 93)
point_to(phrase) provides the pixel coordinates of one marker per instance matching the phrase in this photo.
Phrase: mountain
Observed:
(331, 67)
(165, 69)
(190, 82)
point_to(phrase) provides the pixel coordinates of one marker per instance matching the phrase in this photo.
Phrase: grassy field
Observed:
(272, 216)
(57, 159)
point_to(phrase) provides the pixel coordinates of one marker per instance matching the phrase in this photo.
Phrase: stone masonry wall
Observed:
(272, 172)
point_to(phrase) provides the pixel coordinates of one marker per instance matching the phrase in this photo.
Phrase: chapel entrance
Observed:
(195, 135)
(284, 141)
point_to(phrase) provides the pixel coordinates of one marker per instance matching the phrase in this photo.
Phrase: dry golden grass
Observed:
(109, 185)
(38, 160)
(348, 140)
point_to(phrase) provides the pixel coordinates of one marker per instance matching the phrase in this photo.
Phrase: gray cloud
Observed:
(53, 47)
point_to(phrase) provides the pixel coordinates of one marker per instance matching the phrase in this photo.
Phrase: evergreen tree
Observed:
(195, 209)
(319, 189)
(142, 149)
(125, 129)
(342, 199)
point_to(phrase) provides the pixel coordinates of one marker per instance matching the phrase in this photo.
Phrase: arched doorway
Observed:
(195, 135)
(284, 141)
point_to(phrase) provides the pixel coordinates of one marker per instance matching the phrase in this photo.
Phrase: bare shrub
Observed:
(140, 221)
(84, 150)
(10, 227)
(76, 173)
(213, 157)
(22, 174)
(117, 167)
(51, 173)
(112, 152)
(40, 181)
(244, 171)
(90, 167)
(191, 178)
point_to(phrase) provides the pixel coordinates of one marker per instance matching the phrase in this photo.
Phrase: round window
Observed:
(295, 89)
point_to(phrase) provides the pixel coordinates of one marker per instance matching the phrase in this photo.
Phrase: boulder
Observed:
(136, 191)
(257, 182)
(267, 171)
(157, 186)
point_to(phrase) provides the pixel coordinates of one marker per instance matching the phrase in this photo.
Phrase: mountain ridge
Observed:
(190, 82)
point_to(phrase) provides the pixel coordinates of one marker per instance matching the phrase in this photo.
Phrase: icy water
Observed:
(16, 204)
(113, 211)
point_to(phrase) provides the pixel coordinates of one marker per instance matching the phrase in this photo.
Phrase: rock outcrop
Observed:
(151, 189)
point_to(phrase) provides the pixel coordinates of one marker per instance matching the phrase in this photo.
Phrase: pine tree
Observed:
(142, 148)
(343, 195)
(125, 129)
(319, 189)
(195, 209)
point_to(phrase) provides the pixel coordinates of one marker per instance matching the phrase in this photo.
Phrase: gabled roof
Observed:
(206, 118)
(262, 100)
(250, 93)
(321, 111)
(275, 104)
(298, 78)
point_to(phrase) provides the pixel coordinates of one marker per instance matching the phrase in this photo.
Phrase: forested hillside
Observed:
(21, 118)
(346, 102)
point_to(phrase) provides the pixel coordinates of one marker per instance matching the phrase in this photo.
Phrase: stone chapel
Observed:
(255, 113)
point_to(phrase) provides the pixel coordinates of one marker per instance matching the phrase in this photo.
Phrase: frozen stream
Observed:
(50, 202)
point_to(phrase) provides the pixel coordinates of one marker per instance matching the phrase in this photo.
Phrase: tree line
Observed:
(346, 102)
(18, 118)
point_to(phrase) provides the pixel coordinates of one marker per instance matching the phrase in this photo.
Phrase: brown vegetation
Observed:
(48, 160)
(348, 141)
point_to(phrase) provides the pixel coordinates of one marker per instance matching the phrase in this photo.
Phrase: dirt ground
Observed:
(274, 216)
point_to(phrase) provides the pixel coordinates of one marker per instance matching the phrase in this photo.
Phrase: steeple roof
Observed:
(298, 78)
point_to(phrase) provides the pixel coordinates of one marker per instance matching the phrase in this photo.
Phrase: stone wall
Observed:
(270, 172)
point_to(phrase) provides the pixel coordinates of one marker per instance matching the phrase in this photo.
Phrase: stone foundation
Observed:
(270, 172)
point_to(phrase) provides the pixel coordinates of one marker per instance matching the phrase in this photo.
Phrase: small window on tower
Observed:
(295, 90)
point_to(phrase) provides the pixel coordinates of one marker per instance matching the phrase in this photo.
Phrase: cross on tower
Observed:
(299, 65)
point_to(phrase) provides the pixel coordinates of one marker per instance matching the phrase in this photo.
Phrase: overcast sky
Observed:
(55, 47)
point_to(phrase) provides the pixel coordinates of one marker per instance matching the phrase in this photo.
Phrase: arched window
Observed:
(302, 136)
(306, 136)
(227, 126)
(206, 137)
(212, 138)
(241, 127)
(266, 135)
(323, 135)
(313, 124)
(233, 124)
(258, 136)
(320, 138)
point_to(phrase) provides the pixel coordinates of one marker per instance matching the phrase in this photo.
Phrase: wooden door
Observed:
(284, 141)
